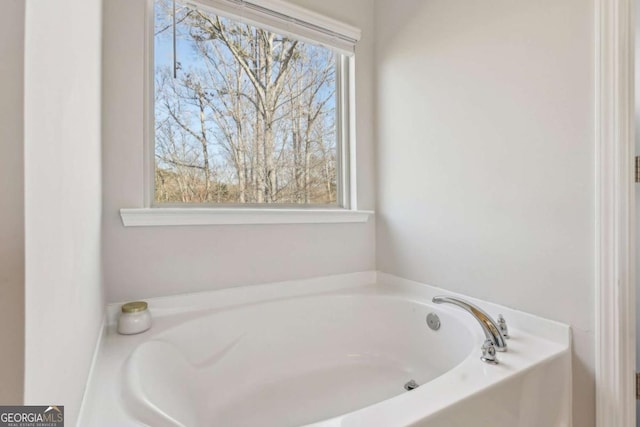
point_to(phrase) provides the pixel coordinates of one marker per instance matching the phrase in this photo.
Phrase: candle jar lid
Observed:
(134, 307)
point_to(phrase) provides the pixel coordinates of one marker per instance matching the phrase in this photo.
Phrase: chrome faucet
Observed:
(495, 341)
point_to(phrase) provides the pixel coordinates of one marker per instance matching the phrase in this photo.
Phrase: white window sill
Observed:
(222, 216)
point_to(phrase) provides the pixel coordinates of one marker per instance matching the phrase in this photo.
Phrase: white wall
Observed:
(486, 157)
(637, 121)
(11, 203)
(147, 262)
(62, 199)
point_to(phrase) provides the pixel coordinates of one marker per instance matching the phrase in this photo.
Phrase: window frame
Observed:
(345, 133)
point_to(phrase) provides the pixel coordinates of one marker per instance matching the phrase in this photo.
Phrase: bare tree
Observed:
(250, 117)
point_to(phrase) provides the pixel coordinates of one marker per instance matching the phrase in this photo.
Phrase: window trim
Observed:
(287, 18)
(345, 123)
(149, 105)
(233, 216)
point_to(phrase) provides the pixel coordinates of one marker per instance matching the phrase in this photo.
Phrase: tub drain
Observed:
(411, 385)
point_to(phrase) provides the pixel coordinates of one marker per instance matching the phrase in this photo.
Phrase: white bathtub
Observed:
(335, 351)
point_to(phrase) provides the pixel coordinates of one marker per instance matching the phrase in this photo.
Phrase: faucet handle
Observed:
(489, 353)
(502, 325)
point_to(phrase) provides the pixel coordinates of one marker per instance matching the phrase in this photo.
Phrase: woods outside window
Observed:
(250, 108)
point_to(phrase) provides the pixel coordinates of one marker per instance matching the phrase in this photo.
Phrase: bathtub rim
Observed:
(204, 300)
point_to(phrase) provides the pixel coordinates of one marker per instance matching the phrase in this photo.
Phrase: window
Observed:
(250, 108)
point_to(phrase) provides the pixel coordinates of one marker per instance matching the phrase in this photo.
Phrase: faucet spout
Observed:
(489, 326)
